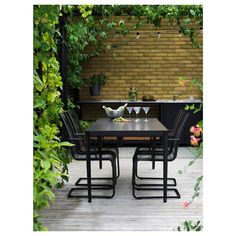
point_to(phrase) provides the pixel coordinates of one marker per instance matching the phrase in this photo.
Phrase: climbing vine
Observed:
(50, 159)
(88, 27)
(196, 140)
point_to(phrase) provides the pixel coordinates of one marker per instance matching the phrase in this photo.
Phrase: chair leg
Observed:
(78, 182)
(83, 187)
(133, 177)
(153, 178)
(114, 176)
(153, 156)
(177, 194)
(99, 145)
(100, 163)
(153, 165)
(118, 166)
(150, 187)
(174, 183)
(72, 190)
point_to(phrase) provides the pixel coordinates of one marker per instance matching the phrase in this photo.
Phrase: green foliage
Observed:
(194, 82)
(88, 27)
(50, 159)
(190, 226)
(97, 79)
(70, 103)
(85, 124)
(82, 32)
(197, 82)
(197, 188)
(194, 109)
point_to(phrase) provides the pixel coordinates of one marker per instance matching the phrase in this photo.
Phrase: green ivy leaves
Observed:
(50, 158)
(85, 10)
(192, 12)
(39, 102)
(38, 83)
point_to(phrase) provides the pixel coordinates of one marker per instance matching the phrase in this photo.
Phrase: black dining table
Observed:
(141, 127)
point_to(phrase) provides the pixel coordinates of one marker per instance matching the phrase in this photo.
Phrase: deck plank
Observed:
(123, 212)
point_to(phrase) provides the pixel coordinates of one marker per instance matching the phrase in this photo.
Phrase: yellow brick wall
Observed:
(153, 65)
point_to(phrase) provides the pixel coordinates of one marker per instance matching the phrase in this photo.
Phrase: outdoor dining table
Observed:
(151, 127)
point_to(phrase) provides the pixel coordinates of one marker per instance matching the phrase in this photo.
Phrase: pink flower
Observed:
(196, 130)
(186, 204)
(194, 141)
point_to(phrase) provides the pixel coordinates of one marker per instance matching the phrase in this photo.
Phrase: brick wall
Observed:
(153, 65)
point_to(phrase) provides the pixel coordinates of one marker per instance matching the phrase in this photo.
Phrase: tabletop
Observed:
(133, 127)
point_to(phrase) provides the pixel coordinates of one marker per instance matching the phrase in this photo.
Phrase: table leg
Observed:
(165, 167)
(99, 151)
(88, 162)
(153, 156)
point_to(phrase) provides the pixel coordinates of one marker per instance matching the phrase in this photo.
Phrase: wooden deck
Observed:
(123, 212)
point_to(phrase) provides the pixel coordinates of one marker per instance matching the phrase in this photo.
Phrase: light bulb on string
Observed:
(180, 33)
(137, 35)
(158, 35)
(117, 34)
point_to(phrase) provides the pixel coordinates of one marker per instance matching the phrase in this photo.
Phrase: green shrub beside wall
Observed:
(50, 159)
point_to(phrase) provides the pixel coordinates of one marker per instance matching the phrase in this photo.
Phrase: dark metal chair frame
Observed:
(78, 152)
(170, 134)
(156, 154)
(71, 114)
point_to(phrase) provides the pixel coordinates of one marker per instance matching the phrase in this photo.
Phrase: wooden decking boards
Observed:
(123, 212)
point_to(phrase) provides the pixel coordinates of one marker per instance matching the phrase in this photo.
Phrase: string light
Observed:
(180, 33)
(137, 35)
(158, 34)
(201, 30)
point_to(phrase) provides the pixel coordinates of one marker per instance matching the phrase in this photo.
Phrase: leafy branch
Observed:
(50, 158)
(189, 225)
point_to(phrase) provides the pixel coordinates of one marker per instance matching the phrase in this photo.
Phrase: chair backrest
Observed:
(76, 124)
(177, 120)
(174, 144)
(75, 121)
(76, 149)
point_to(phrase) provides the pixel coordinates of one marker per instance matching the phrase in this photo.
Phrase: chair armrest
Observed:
(169, 139)
(173, 139)
(79, 134)
(76, 139)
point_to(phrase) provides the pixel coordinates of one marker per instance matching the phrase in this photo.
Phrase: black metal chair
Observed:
(156, 154)
(176, 123)
(78, 152)
(170, 134)
(99, 142)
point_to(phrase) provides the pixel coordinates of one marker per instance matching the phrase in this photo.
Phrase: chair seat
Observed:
(154, 154)
(106, 154)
